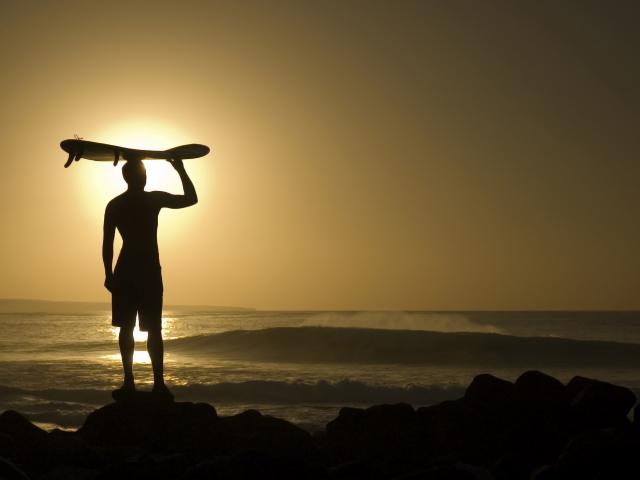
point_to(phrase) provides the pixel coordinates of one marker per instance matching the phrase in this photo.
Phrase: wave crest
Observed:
(359, 345)
(437, 322)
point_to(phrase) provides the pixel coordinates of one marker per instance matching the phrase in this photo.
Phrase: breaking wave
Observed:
(361, 345)
(432, 321)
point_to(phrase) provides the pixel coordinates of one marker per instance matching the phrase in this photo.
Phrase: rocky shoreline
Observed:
(534, 428)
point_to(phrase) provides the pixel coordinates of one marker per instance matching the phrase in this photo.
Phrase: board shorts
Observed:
(137, 296)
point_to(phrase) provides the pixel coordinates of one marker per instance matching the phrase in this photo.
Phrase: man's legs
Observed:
(127, 346)
(156, 352)
(155, 348)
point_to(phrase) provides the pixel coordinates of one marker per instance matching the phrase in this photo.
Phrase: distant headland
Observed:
(27, 305)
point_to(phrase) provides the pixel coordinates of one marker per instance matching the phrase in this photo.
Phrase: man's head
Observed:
(135, 174)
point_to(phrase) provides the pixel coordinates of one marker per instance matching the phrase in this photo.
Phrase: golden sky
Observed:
(365, 154)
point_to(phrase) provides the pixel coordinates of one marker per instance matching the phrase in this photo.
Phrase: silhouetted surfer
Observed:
(136, 282)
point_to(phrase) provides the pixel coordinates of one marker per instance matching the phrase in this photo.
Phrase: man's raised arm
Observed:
(108, 234)
(188, 198)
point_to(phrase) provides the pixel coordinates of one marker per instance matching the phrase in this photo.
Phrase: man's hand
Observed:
(189, 196)
(108, 283)
(176, 163)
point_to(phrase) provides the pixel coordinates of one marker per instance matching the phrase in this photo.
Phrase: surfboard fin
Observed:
(69, 160)
(116, 158)
(74, 155)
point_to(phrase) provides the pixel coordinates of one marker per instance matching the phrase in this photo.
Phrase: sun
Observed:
(101, 181)
(149, 135)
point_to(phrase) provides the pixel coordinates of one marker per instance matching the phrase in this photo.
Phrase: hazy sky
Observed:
(365, 155)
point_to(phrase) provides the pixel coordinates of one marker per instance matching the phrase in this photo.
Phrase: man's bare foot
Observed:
(126, 390)
(162, 391)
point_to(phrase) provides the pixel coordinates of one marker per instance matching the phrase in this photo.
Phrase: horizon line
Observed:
(233, 307)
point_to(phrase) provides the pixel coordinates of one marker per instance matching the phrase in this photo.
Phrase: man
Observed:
(136, 282)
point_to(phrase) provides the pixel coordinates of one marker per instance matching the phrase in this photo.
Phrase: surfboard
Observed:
(103, 152)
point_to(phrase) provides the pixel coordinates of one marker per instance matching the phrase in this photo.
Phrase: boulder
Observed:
(69, 448)
(452, 427)
(533, 428)
(598, 404)
(514, 427)
(147, 466)
(381, 429)
(258, 465)
(598, 454)
(356, 470)
(250, 431)
(23, 433)
(636, 418)
(163, 427)
(536, 390)
(457, 471)
(530, 430)
(9, 471)
(346, 426)
(7, 446)
(70, 473)
(22, 441)
(487, 391)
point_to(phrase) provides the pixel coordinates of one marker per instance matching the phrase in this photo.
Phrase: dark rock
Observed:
(458, 471)
(514, 427)
(141, 436)
(528, 444)
(147, 466)
(161, 396)
(155, 426)
(69, 448)
(250, 465)
(534, 427)
(208, 469)
(70, 473)
(599, 404)
(346, 425)
(9, 471)
(487, 391)
(24, 442)
(252, 431)
(596, 454)
(7, 446)
(451, 426)
(356, 470)
(381, 429)
(22, 431)
(539, 391)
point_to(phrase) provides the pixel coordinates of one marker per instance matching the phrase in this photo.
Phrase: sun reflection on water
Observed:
(141, 356)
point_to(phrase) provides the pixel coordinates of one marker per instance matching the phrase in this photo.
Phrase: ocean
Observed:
(57, 366)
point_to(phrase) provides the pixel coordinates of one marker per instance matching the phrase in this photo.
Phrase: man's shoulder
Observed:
(156, 193)
(157, 197)
(116, 201)
(122, 200)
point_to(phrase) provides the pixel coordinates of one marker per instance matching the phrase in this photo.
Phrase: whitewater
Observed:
(55, 367)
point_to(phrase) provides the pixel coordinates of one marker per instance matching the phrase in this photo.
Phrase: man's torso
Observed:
(136, 217)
